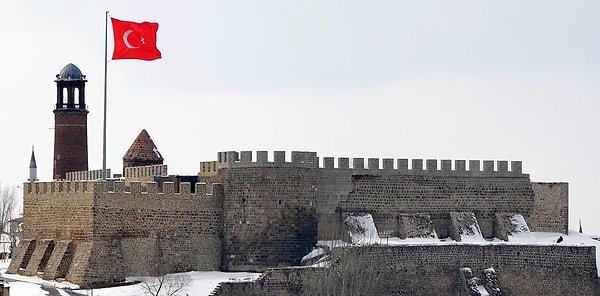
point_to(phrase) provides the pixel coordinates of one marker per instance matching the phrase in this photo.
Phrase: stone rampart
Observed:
(58, 210)
(386, 196)
(550, 208)
(144, 173)
(260, 213)
(261, 189)
(86, 175)
(117, 232)
(445, 167)
(435, 270)
(269, 216)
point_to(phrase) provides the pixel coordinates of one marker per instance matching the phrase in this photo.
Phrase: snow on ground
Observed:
(202, 283)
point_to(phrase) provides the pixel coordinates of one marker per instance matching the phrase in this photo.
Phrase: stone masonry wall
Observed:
(522, 269)
(269, 216)
(144, 174)
(385, 196)
(269, 202)
(116, 234)
(267, 213)
(434, 270)
(551, 207)
(58, 210)
(182, 229)
(386, 188)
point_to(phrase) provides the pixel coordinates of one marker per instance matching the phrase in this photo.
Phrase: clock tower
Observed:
(70, 123)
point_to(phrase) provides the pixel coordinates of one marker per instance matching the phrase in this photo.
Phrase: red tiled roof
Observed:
(143, 148)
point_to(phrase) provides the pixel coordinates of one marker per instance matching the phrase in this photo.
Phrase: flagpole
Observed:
(105, 71)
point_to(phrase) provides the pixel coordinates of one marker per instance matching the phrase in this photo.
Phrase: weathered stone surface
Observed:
(250, 215)
(508, 224)
(436, 270)
(415, 226)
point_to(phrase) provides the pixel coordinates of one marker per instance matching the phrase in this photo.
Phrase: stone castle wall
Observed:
(388, 188)
(269, 217)
(58, 210)
(116, 233)
(550, 208)
(86, 175)
(386, 196)
(144, 174)
(414, 270)
(257, 214)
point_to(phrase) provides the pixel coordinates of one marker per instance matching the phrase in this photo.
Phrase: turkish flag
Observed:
(135, 40)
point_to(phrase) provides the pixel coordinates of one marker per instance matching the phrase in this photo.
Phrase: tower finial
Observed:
(32, 167)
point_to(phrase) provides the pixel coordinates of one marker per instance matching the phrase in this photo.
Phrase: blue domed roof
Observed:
(70, 72)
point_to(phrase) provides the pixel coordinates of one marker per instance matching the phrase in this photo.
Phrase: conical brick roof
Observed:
(143, 149)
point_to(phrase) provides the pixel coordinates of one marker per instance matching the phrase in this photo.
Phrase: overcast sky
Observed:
(493, 80)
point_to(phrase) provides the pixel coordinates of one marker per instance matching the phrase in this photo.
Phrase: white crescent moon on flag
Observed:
(125, 36)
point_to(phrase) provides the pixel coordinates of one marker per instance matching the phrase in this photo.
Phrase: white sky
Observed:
(508, 80)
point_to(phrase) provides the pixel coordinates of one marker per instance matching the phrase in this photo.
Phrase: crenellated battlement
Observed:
(146, 171)
(302, 159)
(58, 187)
(86, 175)
(135, 187)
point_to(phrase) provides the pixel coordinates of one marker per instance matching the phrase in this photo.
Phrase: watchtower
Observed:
(142, 152)
(70, 123)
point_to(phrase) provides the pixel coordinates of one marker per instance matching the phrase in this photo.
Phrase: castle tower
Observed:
(142, 152)
(32, 167)
(70, 123)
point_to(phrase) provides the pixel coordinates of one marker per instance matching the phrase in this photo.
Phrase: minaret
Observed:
(70, 123)
(32, 167)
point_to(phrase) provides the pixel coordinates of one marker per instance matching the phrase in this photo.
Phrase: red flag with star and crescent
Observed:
(135, 40)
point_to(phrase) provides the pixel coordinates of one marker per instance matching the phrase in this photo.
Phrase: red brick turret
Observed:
(70, 123)
(142, 152)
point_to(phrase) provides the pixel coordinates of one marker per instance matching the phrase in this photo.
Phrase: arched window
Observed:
(64, 97)
(76, 97)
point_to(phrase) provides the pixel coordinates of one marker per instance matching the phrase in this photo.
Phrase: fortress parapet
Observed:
(86, 175)
(146, 171)
(108, 187)
(57, 187)
(302, 159)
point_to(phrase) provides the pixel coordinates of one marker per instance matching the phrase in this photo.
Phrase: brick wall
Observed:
(70, 142)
